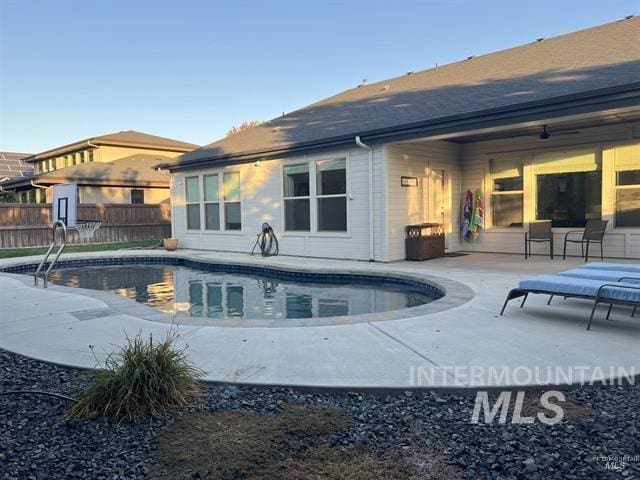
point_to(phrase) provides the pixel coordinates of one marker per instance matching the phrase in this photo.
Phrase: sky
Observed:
(192, 69)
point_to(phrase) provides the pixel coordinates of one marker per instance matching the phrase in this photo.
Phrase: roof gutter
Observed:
(609, 98)
(360, 144)
(263, 154)
(14, 183)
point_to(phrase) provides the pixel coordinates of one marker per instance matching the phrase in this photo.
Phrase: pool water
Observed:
(218, 295)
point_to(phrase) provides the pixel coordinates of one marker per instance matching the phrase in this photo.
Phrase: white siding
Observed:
(410, 205)
(261, 190)
(621, 243)
(394, 207)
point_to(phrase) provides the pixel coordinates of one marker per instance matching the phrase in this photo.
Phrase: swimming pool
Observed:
(221, 292)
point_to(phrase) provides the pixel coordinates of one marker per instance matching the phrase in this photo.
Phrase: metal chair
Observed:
(538, 232)
(593, 233)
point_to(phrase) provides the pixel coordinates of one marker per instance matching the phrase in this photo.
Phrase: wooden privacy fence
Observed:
(28, 225)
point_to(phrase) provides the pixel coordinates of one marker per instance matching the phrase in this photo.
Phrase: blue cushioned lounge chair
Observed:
(619, 267)
(599, 291)
(605, 275)
(608, 275)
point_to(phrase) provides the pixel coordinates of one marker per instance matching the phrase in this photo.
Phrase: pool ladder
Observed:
(54, 227)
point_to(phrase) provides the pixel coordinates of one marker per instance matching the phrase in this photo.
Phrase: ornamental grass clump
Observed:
(143, 379)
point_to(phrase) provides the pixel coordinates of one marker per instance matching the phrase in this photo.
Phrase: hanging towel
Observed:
(477, 220)
(467, 210)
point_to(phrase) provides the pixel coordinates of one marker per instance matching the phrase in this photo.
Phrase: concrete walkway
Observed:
(462, 347)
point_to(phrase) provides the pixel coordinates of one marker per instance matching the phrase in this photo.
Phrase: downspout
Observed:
(171, 185)
(33, 184)
(360, 144)
(95, 147)
(171, 212)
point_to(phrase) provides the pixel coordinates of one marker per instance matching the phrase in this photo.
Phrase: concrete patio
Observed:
(68, 326)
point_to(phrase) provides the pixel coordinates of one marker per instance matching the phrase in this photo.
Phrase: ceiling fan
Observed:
(546, 135)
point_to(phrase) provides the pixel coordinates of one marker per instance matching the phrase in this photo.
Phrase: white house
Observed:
(547, 130)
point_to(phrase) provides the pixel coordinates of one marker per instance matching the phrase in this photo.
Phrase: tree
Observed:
(8, 197)
(243, 126)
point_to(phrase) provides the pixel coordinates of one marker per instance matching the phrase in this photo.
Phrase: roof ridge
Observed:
(376, 83)
(494, 52)
(168, 144)
(599, 60)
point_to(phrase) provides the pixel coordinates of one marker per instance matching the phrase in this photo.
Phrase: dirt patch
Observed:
(217, 446)
(326, 463)
(295, 444)
(314, 420)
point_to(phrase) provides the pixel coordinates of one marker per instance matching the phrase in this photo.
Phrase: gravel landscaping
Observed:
(416, 435)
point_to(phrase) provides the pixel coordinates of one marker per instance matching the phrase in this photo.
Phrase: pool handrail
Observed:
(54, 227)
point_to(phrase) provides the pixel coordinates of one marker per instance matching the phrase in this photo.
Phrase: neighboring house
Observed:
(113, 168)
(546, 130)
(12, 165)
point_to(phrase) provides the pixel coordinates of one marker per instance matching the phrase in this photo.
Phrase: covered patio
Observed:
(566, 169)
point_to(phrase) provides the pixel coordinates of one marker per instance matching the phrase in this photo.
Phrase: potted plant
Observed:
(170, 244)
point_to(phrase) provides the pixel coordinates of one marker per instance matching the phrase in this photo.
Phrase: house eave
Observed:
(83, 182)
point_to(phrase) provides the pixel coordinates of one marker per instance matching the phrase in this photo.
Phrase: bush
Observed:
(142, 379)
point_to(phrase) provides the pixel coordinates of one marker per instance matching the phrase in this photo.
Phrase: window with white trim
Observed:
(232, 204)
(506, 193)
(627, 167)
(331, 195)
(192, 197)
(568, 187)
(211, 202)
(297, 213)
(218, 207)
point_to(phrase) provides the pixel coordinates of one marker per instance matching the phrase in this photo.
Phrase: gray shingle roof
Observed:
(588, 60)
(132, 170)
(128, 138)
(13, 166)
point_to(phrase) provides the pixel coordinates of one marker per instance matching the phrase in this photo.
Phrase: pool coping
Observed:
(454, 293)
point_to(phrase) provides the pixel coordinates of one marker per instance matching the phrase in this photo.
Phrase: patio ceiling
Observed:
(558, 125)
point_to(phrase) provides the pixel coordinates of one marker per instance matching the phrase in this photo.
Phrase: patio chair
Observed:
(599, 291)
(593, 233)
(538, 232)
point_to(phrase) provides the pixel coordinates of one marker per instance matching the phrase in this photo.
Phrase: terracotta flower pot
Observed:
(170, 244)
